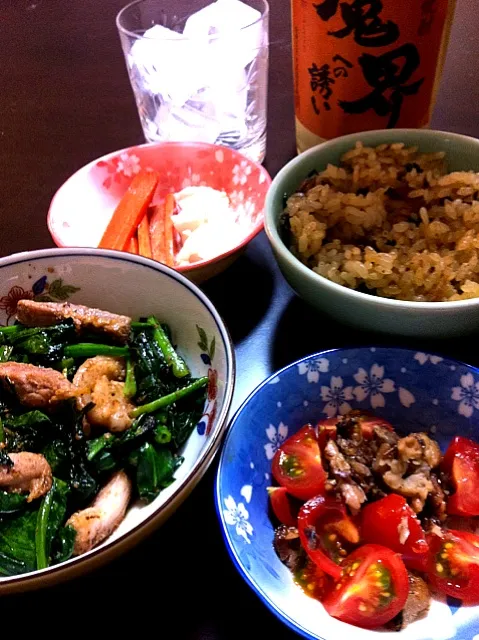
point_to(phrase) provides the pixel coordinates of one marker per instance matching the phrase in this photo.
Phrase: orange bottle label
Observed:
(365, 64)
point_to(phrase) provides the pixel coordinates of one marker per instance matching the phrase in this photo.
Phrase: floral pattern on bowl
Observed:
(42, 291)
(82, 207)
(416, 391)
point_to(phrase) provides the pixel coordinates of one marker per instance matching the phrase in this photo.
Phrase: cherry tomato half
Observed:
(327, 533)
(372, 590)
(461, 462)
(312, 580)
(283, 507)
(454, 564)
(383, 522)
(297, 465)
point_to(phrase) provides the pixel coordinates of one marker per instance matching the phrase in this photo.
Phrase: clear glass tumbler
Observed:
(199, 70)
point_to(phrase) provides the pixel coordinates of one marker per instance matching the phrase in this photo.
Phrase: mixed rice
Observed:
(390, 221)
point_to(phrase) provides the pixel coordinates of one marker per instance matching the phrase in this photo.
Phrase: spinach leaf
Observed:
(155, 470)
(27, 420)
(17, 543)
(5, 460)
(26, 432)
(183, 416)
(58, 456)
(50, 516)
(44, 345)
(63, 545)
(109, 451)
(5, 353)
(12, 502)
(153, 377)
(67, 450)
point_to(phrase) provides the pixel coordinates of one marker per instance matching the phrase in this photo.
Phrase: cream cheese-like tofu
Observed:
(206, 224)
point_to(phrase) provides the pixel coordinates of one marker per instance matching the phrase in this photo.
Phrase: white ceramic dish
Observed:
(131, 285)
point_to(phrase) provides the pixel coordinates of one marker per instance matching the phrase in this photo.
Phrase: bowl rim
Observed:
(246, 575)
(271, 223)
(202, 462)
(202, 145)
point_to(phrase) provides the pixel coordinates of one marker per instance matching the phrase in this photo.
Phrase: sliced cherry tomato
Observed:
(461, 462)
(312, 580)
(454, 564)
(327, 533)
(368, 422)
(297, 465)
(387, 520)
(372, 590)
(283, 507)
(327, 428)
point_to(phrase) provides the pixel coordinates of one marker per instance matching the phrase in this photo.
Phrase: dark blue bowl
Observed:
(415, 391)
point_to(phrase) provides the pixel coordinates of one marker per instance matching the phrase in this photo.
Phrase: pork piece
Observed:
(406, 467)
(436, 505)
(30, 472)
(97, 522)
(36, 386)
(341, 470)
(44, 314)
(417, 603)
(288, 547)
(100, 380)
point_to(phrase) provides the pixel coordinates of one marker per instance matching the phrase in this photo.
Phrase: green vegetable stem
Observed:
(129, 389)
(49, 519)
(170, 398)
(90, 349)
(177, 364)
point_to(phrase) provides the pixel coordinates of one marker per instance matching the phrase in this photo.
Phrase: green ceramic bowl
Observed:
(425, 319)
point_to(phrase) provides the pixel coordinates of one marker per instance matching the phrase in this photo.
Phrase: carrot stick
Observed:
(157, 233)
(170, 206)
(144, 244)
(129, 212)
(133, 245)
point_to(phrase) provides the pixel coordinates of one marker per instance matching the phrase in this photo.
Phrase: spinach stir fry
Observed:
(93, 411)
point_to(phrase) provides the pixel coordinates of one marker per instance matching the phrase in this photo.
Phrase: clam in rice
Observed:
(390, 221)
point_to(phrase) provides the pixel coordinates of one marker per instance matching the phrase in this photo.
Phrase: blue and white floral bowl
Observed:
(131, 285)
(415, 391)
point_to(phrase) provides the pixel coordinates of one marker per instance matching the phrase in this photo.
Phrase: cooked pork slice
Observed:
(406, 467)
(419, 448)
(44, 314)
(97, 522)
(341, 471)
(338, 465)
(353, 496)
(36, 386)
(417, 603)
(30, 472)
(288, 547)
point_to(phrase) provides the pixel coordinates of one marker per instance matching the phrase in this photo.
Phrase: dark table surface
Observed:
(65, 99)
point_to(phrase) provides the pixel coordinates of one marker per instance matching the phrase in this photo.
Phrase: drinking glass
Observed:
(199, 70)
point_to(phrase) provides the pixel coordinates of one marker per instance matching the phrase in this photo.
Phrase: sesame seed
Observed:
(448, 545)
(439, 568)
(362, 607)
(333, 537)
(386, 594)
(310, 586)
